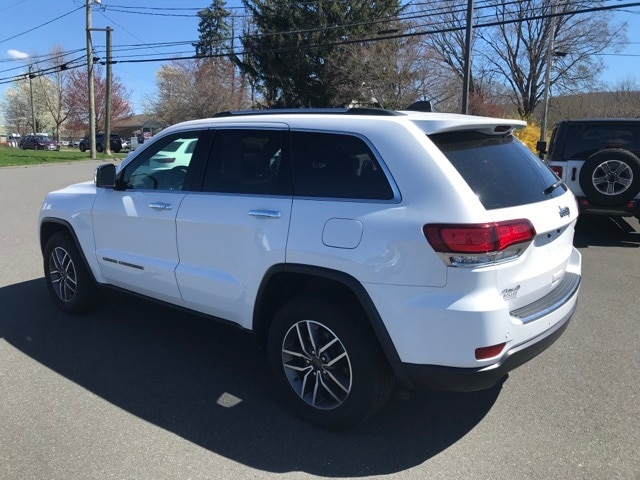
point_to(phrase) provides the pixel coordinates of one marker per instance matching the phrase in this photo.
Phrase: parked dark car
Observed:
(115, 143)
(38, 142)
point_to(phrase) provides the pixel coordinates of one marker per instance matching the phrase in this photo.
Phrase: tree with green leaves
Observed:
(295, 52)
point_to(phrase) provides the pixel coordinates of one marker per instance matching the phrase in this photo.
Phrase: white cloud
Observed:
(17, 54)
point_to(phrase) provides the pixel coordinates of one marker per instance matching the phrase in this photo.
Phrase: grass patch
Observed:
(16, 157)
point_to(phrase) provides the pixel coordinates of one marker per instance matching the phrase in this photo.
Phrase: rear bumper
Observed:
(629, 209)
(436, 377)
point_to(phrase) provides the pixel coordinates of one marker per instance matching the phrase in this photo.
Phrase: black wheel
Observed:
(82, 147)
(69, 281)
(99, 148)
(610, 177)
(327, 364)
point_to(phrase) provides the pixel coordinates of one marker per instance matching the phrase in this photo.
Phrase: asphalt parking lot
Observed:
(138, 391)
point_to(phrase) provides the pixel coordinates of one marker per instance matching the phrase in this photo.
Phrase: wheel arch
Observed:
(285, 281)
(51, 226)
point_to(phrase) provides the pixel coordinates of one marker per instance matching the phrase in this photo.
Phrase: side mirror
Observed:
(541, 147)
(105, 176)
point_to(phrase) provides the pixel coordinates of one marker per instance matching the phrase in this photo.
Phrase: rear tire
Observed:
(327, 364)
(69, 282)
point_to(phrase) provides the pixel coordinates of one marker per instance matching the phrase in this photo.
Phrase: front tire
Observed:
(327, 364)
(68, 280)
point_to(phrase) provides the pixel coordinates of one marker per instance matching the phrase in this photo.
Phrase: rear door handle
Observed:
(265, 213)
(160, 206)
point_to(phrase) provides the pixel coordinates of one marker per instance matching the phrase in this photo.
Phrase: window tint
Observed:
(162, 166)
(247, 161)
(583, 140)
(336, 166)
(501, 171)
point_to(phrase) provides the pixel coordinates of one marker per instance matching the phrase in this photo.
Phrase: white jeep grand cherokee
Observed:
(359, 245)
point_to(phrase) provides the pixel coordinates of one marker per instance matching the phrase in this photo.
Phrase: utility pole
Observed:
(467, 58)
(547, 75)
(33, 110)
(107, 118)
(91, 94)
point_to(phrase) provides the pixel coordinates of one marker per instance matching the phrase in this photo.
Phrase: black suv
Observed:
(115, 143)
(599, 161)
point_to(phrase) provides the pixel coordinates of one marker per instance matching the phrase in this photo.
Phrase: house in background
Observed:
(137, 125)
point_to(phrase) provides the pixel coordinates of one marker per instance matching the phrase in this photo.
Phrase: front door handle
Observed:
(265, 213)
(160, 206)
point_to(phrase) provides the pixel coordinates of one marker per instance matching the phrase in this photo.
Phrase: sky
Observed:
(29, 28)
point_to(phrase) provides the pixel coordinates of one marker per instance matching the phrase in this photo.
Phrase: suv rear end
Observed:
(599, 159)
(485, 241)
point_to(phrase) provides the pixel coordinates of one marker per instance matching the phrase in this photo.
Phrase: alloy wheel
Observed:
(317, 365)
(63, 274)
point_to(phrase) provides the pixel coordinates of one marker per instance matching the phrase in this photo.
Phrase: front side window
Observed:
(336, 166)
(162, 166)
(247, 161)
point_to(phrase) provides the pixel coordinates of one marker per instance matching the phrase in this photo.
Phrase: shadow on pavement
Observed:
(208, 384)
(597, 230)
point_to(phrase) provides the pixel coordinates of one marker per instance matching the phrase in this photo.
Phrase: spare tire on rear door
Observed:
(610, 177)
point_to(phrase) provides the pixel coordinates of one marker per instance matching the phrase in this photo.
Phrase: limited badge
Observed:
(510, 293)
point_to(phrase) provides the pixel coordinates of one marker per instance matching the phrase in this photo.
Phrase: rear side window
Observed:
(500, 170)
(334, 165)
(583, 140)
(247, 162)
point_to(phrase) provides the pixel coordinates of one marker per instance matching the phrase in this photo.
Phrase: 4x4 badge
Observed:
(564, 211)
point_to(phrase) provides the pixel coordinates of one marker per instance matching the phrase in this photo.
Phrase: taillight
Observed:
(557, 170)
(478, 244)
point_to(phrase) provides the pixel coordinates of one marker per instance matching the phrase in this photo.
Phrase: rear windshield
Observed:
(583, 140)
(500, 170)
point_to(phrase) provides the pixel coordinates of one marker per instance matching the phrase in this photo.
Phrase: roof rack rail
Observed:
(303, 111)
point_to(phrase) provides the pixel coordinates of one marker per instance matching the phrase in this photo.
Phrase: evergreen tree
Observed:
(294, 51)
(214, 29)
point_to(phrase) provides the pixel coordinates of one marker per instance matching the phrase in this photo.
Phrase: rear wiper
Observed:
(551, 188)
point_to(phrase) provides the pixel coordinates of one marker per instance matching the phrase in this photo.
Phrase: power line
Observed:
(40, 26)
(177, 56)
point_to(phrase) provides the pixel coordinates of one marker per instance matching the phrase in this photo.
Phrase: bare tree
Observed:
(390, 73)
(619, 101)
(447, 27)
(510, 48)
(197, 89)
(516, 48)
